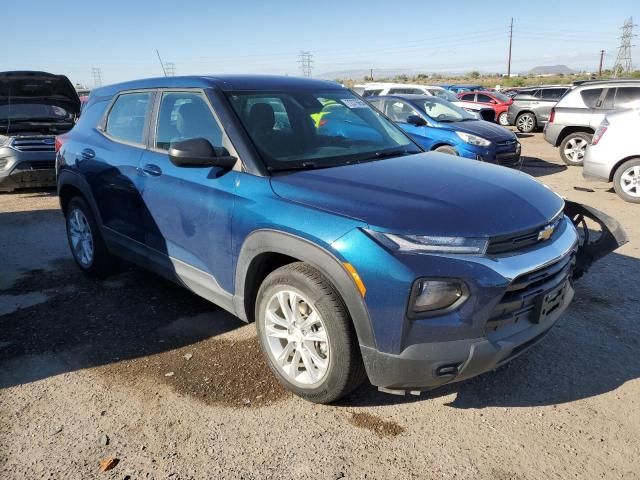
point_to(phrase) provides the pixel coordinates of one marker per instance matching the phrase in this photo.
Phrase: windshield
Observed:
(500, 97)
(32, 111)
(444, 95)
(443, 111)
(307, 129)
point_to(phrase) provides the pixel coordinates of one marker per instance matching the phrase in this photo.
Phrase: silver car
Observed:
(576, 116)
(614, 154)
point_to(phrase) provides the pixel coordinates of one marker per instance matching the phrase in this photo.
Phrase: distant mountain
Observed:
(551, 70)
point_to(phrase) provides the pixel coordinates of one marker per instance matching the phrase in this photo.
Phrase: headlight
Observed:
(429, 296)
(431, 244)
(473, 139)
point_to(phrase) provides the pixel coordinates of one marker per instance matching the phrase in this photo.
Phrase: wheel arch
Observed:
(566, 131)
(265, 250)
(443, 144)
(619, 163)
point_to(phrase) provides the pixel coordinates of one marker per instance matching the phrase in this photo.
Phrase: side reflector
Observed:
(356, 278)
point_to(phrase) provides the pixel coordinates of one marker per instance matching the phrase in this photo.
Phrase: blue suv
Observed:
(294, 204)
(439, 125)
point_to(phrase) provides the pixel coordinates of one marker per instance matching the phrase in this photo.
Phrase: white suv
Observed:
(576, 116)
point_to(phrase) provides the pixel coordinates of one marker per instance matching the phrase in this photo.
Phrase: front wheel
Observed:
(502, 119)
(306, 334)
(526, 122)
(626, 181)
(574, 147)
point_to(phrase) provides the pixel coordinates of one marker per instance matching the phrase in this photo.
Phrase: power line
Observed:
(305, 59)
(623, 65)
(96, 73)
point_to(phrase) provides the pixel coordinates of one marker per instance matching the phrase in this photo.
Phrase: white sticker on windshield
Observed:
(353, 102)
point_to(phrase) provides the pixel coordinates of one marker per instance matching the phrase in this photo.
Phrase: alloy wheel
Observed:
(81, 237)
(525, 123)
(502, 119)
(575, 149)
(297, 338)
(630, 181)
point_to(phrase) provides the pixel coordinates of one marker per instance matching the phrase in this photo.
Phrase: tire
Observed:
(626, 181)
(526, 122)
(502, 119)
(446, 149)
(329, 365)
(85, 241)
(573, 148)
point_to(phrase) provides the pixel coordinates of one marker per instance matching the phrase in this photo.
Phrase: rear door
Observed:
(110, 164)
(187, 210)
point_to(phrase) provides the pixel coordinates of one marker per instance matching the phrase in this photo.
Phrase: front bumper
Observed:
(500, 154)
(26, 169)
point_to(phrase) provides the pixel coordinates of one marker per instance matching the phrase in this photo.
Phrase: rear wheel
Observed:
(573, 148)
(526, 122)
(87, 247)
(306, 334)
(446, 149)
(502, 119)
(626, 181)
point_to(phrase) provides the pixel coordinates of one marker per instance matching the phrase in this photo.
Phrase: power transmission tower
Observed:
(96, 72)
(510, 44)
(170, 68)
(622, 65)
(305, 59)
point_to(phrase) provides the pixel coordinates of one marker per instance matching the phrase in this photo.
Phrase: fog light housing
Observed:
(431, 297)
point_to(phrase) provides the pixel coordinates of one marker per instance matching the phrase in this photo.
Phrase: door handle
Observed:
(151, 169)
(87, 154)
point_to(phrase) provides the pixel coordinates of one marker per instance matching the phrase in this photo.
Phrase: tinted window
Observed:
(590, 97)
(627, 97)
(371, 93)
(553, 93)
(126, 119)
(484, 98)
(399, 111)
(410, 91)
(608, 99)
(469, 97)
(185, 115)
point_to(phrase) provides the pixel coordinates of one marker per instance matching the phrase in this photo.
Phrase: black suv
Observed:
(34, 108)
(531, 107)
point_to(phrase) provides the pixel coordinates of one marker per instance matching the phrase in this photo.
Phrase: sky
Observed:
(120, 37)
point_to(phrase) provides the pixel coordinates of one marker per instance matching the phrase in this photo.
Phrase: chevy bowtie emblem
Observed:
(546, 232)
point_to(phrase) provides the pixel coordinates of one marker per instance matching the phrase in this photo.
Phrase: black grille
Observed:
(520, 300)
(507, 146)
(34, 144)
(516, 241)
(42, 164)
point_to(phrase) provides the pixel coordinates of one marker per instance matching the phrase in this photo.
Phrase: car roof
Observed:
(403, 96)
(224, 82)
(617, 81)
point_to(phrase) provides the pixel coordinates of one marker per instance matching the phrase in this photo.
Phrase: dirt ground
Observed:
(139, 370)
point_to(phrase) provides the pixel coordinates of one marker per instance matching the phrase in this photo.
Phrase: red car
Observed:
(496, 100)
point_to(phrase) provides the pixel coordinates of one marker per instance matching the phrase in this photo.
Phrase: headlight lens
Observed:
(473, 139)
(431, 244)
(431, 296)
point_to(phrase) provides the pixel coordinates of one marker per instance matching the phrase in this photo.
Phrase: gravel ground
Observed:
(169, 386)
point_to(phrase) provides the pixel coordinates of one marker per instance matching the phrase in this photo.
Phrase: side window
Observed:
(484, 98)
(399, 111)
(590, 96)
(627, 97)
(552, 93)
(607, 103)
(185, 115)
(469, 97)
(127, 118)
(371, 93)
(537, 93)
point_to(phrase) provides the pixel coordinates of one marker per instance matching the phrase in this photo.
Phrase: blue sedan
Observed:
(439, 125)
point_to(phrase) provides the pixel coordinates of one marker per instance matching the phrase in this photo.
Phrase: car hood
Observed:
(488, 130)
(40, 88)
(427, 193)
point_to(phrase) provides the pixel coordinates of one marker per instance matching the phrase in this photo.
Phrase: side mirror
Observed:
(198, 152)
(416, 120)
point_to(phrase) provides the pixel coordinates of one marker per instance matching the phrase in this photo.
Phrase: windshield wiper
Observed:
(297, 166)
(393, 153)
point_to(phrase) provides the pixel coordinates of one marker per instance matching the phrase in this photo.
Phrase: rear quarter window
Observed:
(590, 96)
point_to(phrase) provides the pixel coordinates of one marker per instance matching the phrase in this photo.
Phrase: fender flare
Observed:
(275, 241)
(70, 178)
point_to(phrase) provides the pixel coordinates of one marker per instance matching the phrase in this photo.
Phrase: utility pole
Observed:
(96, 73)
(510, 44)
(622, 65)
(170, 68)
(161, 62)
(371, 74)
(305, 59)
(600, 67)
